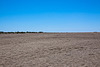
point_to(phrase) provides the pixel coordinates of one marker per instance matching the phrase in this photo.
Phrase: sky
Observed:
(50, 15)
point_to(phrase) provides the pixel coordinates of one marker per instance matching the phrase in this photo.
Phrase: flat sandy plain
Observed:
(50, 50)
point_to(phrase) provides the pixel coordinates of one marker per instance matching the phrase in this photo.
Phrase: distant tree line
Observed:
(1, 32)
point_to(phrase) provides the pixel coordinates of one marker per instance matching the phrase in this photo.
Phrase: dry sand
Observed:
(50, 50)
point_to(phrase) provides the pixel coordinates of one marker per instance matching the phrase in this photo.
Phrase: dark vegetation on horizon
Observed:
(1, 32)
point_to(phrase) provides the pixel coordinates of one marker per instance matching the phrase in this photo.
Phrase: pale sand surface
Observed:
(50, 50)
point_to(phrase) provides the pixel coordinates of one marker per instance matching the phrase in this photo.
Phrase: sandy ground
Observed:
(50, 50)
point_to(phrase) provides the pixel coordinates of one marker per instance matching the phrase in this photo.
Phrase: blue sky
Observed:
(50, 15)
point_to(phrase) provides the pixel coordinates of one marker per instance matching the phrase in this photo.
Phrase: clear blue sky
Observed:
(50, 15)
